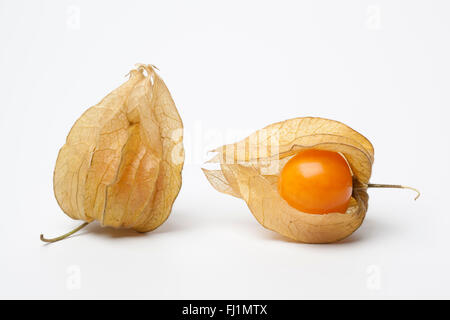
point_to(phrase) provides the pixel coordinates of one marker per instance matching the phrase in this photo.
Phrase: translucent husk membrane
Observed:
(122, 161)
(250, 170)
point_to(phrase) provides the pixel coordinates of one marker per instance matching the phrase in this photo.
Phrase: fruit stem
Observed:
(65, 235)
(397, 186)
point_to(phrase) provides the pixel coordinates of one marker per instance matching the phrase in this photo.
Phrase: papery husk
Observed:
(122, 161)
(250, 170)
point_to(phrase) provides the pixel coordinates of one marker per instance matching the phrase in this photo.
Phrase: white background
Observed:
(382, 67)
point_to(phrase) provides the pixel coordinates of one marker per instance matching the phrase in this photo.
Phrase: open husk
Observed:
(250, 170)
(122, 161)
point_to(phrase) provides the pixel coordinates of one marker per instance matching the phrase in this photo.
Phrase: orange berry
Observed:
(316, 181)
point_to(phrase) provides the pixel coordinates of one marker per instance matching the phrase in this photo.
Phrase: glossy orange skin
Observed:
(316, 181)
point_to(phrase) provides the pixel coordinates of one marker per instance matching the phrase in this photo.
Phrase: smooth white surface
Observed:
(232, 67)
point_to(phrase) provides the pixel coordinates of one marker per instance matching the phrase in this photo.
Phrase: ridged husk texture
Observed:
(250, 170)
(122, 161)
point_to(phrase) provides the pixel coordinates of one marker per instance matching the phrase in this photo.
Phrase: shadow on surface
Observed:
(172, 224)
(371, 228)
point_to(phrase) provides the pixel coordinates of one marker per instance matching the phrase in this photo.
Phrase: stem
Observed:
(65, 235)
(397, 186)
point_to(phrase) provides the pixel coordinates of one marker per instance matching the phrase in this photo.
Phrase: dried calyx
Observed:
(122, 161)
(250, 170)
